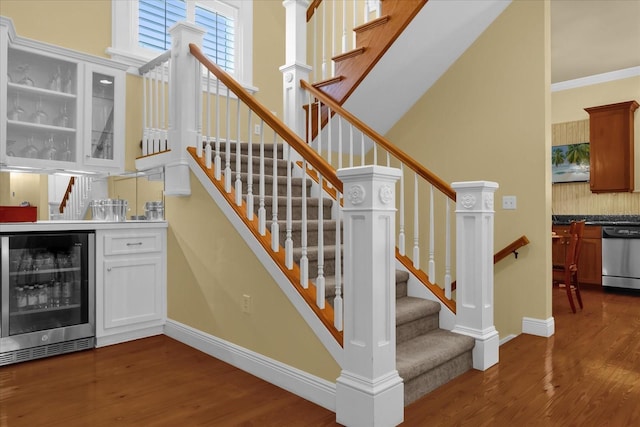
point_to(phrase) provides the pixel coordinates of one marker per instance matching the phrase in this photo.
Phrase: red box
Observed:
(18, 213)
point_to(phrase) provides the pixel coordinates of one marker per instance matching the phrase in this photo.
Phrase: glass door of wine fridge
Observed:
(47, 294)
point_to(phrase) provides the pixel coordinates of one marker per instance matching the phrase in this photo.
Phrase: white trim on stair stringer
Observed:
(296, 299)
(415, 288)
(309, 387)
(539, 327)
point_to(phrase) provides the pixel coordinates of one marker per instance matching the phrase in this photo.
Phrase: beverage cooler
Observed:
(47, 301)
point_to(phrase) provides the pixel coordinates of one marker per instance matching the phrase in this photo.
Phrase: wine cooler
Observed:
(47, 294)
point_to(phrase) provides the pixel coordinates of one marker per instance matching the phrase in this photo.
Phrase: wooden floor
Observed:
(588, 374)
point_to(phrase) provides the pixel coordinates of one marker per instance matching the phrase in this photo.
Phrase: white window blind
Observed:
(155, 17)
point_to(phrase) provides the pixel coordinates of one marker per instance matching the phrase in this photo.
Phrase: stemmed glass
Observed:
(17, 111)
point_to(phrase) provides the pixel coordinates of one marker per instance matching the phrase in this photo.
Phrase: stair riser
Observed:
(296, 211)
(430, 380)
(420, 326)
(244, 149)
(312, 237)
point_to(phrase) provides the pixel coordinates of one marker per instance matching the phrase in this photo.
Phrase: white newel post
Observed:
(295, 68)
(183, 107)
(369, 391)
(474, 269)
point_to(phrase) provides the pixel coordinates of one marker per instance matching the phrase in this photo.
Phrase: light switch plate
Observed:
(508, 202)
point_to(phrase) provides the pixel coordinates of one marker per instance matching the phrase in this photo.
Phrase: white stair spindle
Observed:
(388, 160)
(350, 145)
(304, 261)
(207, 155)
(217, 164)
(250, 171)
(314, 63)
(320, 281)
(447, 250)
(288, 243)
(416, 221)
(319, 129)
(207, 133)
(238, 186)
(163, 123)
(262, 213)
(198, 117)
(353, 37)
(401, 241)
(324, 40)
(227, 146)
(275, 228)
(337, 301)
(156, 139)
(432, 245)
(339, 143)
(361, 148)
(145, 128)
(375, 153)
(344, 26)
(333, 38)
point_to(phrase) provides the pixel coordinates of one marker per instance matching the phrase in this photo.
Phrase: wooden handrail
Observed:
(512, 247)
(317, 162)
(503, 253)
(67, 193)
(312, 8)
(382, 141)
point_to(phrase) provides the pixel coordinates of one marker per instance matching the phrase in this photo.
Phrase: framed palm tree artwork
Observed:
(570, 163)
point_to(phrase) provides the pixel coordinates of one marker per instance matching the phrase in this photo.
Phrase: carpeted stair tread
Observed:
(312, 252)
(409, 309)
(429, 351)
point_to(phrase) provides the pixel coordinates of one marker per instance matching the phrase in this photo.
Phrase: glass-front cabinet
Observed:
(103, 141)
(61, 109)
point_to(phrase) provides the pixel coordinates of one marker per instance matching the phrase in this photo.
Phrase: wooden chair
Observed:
(567, 273)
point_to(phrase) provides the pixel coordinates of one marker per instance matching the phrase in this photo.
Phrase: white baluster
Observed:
(304, 261)
(169, 104)
(344, 26)
(432, 245)
(238, 188)
(145, 128)
(227, 146)
(207, 155)
(324, 41)
(388, 159)
(339, 143)
(198, 115)
(288, 243)
(206, 134)
(314, 63)
(250, 172)
(320, 281)
(163, 123)
(350, 145)
(401, 242)
(262, 213)
(447, 250)
(361, 148)
(353, 38)
(375, 153)
(275, 228)
(416, 221)
(333, 38)
(337, 301)
(217, 162)
(156, 138)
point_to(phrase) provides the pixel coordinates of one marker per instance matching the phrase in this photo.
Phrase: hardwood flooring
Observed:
(587, 374)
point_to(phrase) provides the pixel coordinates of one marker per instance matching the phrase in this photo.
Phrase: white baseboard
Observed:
(539, 327)
(314, 389)
(507, 339)
(129, 335)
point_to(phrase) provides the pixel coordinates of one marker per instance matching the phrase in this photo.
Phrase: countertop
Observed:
(603, 220)
(17, 227)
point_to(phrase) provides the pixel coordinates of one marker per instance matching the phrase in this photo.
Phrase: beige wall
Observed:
(487, 119)
(209, 267)
(568, 106)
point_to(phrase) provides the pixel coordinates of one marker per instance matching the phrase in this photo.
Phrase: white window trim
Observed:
(124, 39)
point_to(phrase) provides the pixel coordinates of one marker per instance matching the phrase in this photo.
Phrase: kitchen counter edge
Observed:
(18, 227)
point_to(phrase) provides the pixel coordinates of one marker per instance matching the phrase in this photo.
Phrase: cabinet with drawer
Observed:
(130, 284)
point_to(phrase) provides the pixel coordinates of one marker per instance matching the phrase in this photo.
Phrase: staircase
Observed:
(427, 356)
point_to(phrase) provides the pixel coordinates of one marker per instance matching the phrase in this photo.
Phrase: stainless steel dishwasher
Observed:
(621, 256)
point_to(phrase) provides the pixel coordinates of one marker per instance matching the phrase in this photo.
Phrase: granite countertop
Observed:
(597, 219)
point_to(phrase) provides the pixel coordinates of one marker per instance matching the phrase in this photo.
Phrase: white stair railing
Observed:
(155, 105)
(429, 197)
(77, 198)
(239, 112)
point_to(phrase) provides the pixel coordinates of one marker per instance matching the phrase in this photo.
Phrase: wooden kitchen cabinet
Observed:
(590, 264)
(611, 150)
(130, 284)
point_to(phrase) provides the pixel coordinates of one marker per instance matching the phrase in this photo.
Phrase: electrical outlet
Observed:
(256, 129)
(246, 303)
(509, 202)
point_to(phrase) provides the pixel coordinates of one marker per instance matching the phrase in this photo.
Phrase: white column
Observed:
(295, 68)
(182, 107)
(474, 269)
(369, 391)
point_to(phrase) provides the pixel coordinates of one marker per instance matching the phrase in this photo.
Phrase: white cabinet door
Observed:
(104, 118)
(132, 293)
